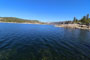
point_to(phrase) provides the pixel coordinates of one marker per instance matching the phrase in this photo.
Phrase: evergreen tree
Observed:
(75, 20)
(87, 16)
(84, 20)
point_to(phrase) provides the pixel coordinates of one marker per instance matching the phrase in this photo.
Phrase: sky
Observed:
(45, 10)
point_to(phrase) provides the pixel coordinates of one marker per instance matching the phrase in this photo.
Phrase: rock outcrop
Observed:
(74, 26)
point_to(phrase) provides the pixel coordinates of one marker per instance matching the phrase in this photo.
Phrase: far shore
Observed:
(71, 26)
(74, 26)
(22, 23)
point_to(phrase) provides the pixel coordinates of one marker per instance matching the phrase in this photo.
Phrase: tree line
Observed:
(17, 20)
(84, 20)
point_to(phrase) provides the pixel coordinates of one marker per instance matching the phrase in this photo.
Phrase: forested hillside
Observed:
(17, 20)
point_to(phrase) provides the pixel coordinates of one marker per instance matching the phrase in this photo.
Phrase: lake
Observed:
(43, 42)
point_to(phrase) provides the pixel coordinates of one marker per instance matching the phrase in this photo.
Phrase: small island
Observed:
(83, 23)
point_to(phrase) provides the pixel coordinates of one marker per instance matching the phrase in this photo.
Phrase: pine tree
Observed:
(75, 20)
(84, 20)
(87, 16)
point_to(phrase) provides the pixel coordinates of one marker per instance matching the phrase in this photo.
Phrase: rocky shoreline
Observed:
(74, 26)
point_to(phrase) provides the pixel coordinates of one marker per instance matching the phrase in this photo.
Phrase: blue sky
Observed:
(45, 10)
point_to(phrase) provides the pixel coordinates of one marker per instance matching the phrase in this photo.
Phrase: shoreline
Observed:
(74, 26)
(71, 26)
(22, 23)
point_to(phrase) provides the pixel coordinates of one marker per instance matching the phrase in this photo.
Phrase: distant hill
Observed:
(58, 23)
(17, 20)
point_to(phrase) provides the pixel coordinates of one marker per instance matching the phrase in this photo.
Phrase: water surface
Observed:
(43, 42)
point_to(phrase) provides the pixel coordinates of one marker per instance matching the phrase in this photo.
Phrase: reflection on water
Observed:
(43, 42)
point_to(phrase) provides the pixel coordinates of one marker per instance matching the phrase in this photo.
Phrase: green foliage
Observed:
(87, 16)
(17, 20)
(75, 20)
(84, 20)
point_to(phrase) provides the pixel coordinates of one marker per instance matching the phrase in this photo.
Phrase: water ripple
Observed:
(43, 42)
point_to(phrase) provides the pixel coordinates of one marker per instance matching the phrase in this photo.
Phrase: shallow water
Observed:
(43, 42)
